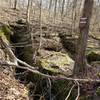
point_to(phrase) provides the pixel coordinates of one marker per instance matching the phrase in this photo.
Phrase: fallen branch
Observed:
(34, 70)
(70, 92)
(58, 77)
(77, 98)
(94, 37)
(12, 55)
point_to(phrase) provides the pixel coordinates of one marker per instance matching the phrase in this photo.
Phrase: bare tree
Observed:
(40, 20)
(67, 7)
(15, 4)
(50, 4)
(62, 10)
(55, 10)
(80, 62)
(28, 11)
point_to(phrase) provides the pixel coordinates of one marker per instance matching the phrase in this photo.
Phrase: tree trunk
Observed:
(28, 11)
(55, 10)
(15, 4)
(80, 62)
(50, 4)
(62, 10)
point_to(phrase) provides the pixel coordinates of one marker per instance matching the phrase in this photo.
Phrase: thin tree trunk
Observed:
(40, 20)
(80, 62)
(50, 4)
(55, 10)
(67, 8)
(62, 10)
(15, 4)
(28, 11)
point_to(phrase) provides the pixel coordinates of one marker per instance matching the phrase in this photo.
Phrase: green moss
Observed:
(93, 56)
(57, 61)
(98, 91)
(5, 32)
(84, 98)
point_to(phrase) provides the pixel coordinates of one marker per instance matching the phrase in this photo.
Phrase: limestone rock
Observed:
(56, 62)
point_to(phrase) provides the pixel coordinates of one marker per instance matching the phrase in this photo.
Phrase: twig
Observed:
(59, 77)
(49, 85)
(70, 92)
(21, 73)
(94, 37)
(77, 98)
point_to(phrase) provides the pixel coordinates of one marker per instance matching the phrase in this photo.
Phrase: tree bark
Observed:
(15, 4)
(50, 4)
(80, 61)
(62, 10)
(28, 11)
(55, 10)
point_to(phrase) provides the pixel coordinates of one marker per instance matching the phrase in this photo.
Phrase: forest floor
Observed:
(10, 88)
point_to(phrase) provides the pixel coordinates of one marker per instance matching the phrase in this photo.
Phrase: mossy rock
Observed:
(5, 32)
(56, 62)
(93, 55)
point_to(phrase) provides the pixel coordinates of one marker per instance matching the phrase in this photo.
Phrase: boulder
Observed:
(5, 32)
(56, 62)
(93, 55)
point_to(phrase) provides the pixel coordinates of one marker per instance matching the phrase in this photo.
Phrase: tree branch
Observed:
(77, 98)
(34, 70)
(70, 92)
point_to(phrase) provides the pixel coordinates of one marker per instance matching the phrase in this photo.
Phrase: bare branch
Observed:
(58, 77)
(70, 92)
(34, 69)
(77, 98)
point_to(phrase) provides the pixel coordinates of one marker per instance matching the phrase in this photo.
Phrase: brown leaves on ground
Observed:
(10, 89)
